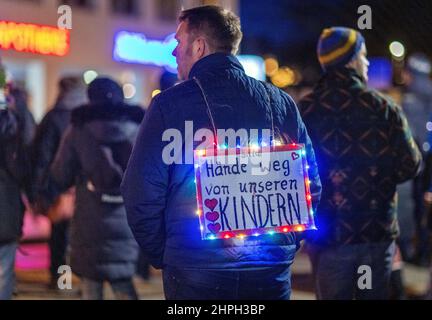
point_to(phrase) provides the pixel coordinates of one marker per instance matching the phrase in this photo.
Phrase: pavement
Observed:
(33, 284)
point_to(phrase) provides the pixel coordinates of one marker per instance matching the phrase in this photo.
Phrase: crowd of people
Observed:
(94, 166)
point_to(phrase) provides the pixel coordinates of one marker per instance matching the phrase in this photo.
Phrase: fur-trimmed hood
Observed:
(122, 112)
(108, 123)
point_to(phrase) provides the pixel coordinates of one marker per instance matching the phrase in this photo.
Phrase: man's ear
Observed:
(354, 63)
(201, 48)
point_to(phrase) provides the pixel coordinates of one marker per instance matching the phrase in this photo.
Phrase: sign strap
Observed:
(207, 105)
(211, 116)
(274, 129)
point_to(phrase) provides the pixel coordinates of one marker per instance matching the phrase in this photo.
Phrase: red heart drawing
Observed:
(295, 156)
(211, 203)
(212, 216)
(214, 227)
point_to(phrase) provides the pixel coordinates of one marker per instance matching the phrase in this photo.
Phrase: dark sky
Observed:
(290, 28)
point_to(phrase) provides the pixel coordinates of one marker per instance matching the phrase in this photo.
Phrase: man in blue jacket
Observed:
(160, 198)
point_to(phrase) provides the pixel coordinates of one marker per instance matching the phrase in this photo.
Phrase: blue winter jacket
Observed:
(161, 199)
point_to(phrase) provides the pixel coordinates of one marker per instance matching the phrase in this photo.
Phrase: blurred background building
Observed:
(136, 30)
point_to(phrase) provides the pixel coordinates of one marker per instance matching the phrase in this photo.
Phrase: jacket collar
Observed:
(213, 62)
(342, 77)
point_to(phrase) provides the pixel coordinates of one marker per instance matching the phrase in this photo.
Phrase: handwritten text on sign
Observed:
(248, 192)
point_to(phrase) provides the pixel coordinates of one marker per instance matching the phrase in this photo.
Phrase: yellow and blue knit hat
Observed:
(337, 46)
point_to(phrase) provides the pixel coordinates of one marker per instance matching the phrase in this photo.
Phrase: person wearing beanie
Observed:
(364, 149)
(339, 47)
(92, 157)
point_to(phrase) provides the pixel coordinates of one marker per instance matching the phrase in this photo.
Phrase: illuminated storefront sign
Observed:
(133, 47)
(24, 37)
(136, 48)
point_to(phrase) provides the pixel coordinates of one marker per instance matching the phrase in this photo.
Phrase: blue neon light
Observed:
(132, 47)
(380, 73)
(136, 48)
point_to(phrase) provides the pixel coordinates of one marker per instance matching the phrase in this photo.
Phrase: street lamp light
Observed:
(397, 49)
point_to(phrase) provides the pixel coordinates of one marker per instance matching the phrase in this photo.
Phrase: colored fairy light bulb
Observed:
(201, 228)
(299, 228)
(198, 212)
(227, 236)
(256, 234)
(309, 197)
(271, 233)
(303, 153)
(201, 153)
(285, 229)
(255, 147)
(212, 237)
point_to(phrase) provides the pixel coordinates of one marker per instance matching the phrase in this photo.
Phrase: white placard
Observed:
(250, 192)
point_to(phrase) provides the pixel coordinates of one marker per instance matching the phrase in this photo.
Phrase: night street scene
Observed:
(215, 150)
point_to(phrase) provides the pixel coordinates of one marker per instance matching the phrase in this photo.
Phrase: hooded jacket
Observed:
(161, 199)
(92, 156)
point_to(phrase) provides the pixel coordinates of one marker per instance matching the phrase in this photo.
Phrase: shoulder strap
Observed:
(269, 102)
(274, 129)
(207, 105)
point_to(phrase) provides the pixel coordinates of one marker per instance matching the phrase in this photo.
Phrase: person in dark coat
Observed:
(93, 155)
(72, 94)
(417, 104)
(160, 198)
(364, 148)
(25, 117)
(14, 173)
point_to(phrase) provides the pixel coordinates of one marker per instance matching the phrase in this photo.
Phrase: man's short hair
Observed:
(220, 27)
(69, 83)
